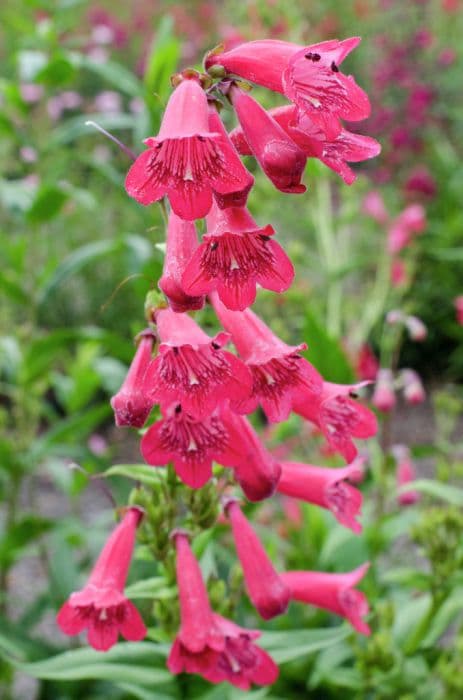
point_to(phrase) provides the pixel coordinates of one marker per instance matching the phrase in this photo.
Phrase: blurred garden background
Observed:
(379, 273)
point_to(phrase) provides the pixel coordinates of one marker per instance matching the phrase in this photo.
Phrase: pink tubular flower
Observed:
(192, 444)
(232, 199)
(405, 473)
(399, 274)
(333, 592)
(409, 223)
(458, 303)
(186, 161)
(255, 469)
(346, 147)
(101, 607)
(279, 157)
(236, 254)
(132, 403)
(265, 588)
(208, 644)
(416, 328)
(181, 243)
(309, 76)
(384, 395)
(193, 369)
(339, 417)
(367, 364)
(280, 374)
(373, 205)
(413, 388)
(325, 487)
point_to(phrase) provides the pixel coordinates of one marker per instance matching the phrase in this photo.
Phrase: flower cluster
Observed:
(202, 392)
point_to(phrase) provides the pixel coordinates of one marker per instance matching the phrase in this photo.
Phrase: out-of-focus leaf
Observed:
(325, 353)
(47, 204)
(19, 535)
(14, 646)
(125, 663)
(115, 74)
(151, 476)
(411, 618)
(288, 646)
(12, 289)
(449, 612)
(69, 430)
(149, 588)
(162, 59)
(409, 577)
(444, 492)
(58, 72)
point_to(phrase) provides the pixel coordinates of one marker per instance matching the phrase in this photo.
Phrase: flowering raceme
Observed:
(198, 393)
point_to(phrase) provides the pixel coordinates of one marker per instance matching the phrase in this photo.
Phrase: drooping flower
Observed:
(373, 205)
(265, 588)
(101, 607)
(255, 469)
(280, 374)
(208, 644)
(405, 473)
(325, 487)
(410, 222)
(278, 155)
(186, 161)
(309, 76)
(190, 443)
(458, 304)
(416, 328)
(132, 403)
(384, 395)
(181, 242)
(413, 388)
(235, 256)
(333, 592)
(229, 199)
(193, 369)
(339, 417)
(346, 148)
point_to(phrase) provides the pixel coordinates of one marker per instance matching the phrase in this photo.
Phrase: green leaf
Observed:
(19, 535)
(70, 430)
(162, 59)
(46, 204)
(151, 476)
(288, 646)
(451, 494)
(132, 663)
(155, 587)
(447, 614)
(111, 72)
(325, 353)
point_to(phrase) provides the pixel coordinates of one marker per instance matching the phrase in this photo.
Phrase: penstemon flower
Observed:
(235, 256)
(101, 607)
(186, 161)
(309, 76)
(132, 404)
(208, 644)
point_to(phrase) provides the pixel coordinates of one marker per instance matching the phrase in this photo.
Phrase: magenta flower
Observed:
(193, 369)
(101, 607)
(208, 644)
(326, 488)
(416, 328)
(132, 403)
(345, 148)
(192, 444)
(186, 161)
(373, 205)
(405, 473)
(413, 388)
(458, 304)
(280, 374)
(265, 588)
(279, 157)
(240, 197)
(334, 592)
(384, 395)
(181, 242)
(339, 417)
(410, 222)
(235, 256)
(309, 76)
(255, 469)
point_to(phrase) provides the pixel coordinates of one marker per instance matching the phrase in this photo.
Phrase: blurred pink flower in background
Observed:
(405, 473)
(458, 303)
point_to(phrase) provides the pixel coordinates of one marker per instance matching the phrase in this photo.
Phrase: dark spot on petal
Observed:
(178, 409)
(214, 245)
(216, 346)
(175, 349)
(313, 56)
(334, 67)
(264, 238)
(201, 138)
(353, 395)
